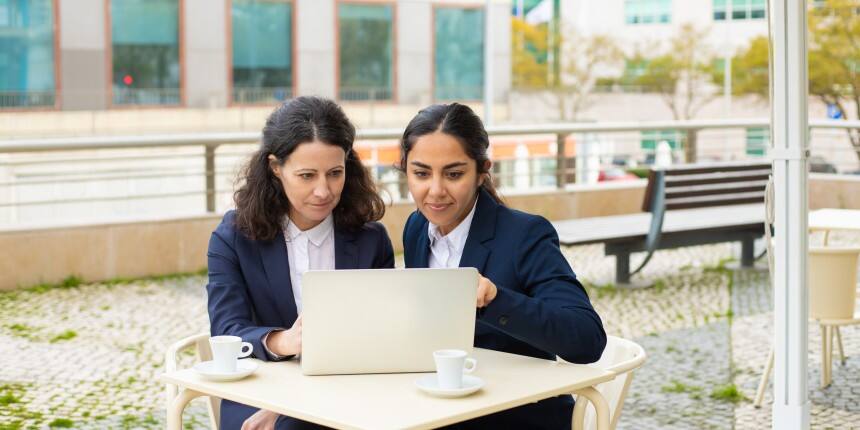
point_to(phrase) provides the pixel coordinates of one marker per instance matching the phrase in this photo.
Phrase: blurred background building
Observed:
(84, 68)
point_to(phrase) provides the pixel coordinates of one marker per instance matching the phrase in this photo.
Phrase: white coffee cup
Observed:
(450, 366)
(227, 350)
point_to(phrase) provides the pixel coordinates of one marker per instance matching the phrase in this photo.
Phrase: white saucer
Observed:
(430, 385)
(207, 370)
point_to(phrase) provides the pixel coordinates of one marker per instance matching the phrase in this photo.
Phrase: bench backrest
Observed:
(704, 185)
(697, 186)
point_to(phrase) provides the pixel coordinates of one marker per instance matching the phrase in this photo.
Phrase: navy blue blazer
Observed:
(541, 310)
(250, 292)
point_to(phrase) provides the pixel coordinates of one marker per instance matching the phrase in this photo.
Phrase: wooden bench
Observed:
(684, 205)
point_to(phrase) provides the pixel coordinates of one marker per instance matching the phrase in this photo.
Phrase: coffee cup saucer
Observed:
(207, 370)
(430, 385)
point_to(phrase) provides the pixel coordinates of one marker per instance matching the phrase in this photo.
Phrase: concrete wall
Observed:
(315, 45)
(205, 54)
(414, 52)
(83, 71)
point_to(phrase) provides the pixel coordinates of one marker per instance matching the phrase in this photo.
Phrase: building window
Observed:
(145, 51)
(648, 11)
(366, 52)
(741, 9)
(758, 140)
(651, 138)
(459, 56)
(262, 50)
(27, 53)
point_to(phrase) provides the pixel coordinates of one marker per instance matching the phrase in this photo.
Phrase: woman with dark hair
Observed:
(306, 202)
(529, 300)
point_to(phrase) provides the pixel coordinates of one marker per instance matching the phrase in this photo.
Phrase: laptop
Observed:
(385, 320)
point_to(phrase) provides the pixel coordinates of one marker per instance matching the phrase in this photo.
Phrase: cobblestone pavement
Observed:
(88, 356)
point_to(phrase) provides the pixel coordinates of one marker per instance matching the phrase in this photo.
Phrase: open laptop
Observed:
(385, 320)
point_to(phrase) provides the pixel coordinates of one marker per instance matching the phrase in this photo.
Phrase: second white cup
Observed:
(451, 364)
(227, 350)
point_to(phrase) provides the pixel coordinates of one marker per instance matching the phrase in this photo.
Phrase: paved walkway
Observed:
(87, 356)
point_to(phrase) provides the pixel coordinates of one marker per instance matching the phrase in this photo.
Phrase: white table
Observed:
(827, 220)
(390, 401)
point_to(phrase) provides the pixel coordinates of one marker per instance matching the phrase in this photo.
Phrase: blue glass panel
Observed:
(459, 56)
(366, 51)
(26, 53)
(262, 50)
(145, 51)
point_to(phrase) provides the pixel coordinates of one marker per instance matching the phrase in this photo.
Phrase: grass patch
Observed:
(679, 387)
(8, 398)
(727, 393)
(66, 284)
(66, 335)
(62, 423)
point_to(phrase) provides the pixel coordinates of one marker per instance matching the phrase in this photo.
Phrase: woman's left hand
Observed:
(261, 420)
(486, 291)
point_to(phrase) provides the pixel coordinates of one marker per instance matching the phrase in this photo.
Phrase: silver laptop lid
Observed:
(385, 320)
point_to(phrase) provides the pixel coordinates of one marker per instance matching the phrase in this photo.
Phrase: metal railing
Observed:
(136, 158)
(26, 99)
(258, 95)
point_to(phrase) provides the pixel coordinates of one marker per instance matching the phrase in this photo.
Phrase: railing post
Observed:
(691, 147)
(210, 177)
(560, 161)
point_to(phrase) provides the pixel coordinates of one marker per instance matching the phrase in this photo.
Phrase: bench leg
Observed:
(622, 268)
(748, 252)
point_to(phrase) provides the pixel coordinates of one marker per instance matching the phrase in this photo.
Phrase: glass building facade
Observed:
(262, 47)
(145, 52)
(365, 51)
(648, 11)
(741, 9)
(459, 53)
(27, 68)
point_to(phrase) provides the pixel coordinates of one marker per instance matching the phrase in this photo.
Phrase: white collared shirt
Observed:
(446, 251)
(311, 249)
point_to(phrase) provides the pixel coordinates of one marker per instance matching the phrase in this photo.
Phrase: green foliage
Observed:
(66, 335)
(727, 393)
(61, 423)
(678, 73)
(679, 387)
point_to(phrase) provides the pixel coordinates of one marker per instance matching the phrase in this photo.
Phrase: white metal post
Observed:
(488, 63)
(789, 131)
(727, 61)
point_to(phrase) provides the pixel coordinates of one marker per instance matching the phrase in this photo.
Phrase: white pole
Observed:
(727, 66)
(789, 125)
(488, 63)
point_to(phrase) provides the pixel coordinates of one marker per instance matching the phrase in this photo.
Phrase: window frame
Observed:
(109, 104)
(229, 49)
(394, 53)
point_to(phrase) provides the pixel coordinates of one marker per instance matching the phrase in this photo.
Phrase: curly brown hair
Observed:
(261, 202)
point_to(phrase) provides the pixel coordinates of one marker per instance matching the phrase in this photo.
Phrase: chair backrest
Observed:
(832, 282)
(200, 343)
(621, 356)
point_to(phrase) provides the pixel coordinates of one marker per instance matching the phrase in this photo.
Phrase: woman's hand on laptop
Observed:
(261, 420)
(287, 342)
(486, 291)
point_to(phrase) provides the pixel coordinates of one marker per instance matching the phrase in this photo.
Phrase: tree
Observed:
(582, 59)
(834, 61)
(750, 73)
(682, 76)
(530, 44)
(834, 58)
